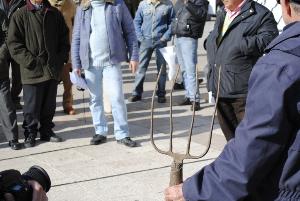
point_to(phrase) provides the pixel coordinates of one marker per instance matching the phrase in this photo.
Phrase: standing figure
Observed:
(8, 117)
(103, 32)
(153, 28)
(67, 8)
(262, 163)
(242, 30)
(9, 7)
(188, 26)
(38, 39)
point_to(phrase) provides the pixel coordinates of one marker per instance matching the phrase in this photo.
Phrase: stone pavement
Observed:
(112, 172)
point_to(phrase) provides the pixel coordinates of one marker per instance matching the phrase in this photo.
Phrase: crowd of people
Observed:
(257, 96)
(38, 36)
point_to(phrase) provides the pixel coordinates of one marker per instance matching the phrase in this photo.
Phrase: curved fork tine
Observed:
(169, 152)
(188, 155)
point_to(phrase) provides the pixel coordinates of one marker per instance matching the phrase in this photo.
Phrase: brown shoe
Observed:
(69, 111)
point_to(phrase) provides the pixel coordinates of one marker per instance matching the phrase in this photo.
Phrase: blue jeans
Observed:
(186, 51)
(110, 77)
(147, 47)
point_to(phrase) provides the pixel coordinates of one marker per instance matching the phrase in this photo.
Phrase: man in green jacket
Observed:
(38, 41)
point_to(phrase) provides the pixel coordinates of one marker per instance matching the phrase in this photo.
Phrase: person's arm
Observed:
(260, 140)
(64, 42)
(130, 37)
(16, 43)
(138, 21)
(75, 47)
(168, 34)
(4, 53)
(198, 8)
(267, 31)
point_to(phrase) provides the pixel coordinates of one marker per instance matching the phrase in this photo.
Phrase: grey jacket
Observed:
(121, 34)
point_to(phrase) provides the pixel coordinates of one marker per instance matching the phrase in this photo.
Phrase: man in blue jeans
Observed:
(188, 27)
(153, 29)
(103, 32)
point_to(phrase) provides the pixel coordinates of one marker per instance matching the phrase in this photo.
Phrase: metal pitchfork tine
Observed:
(177, 164)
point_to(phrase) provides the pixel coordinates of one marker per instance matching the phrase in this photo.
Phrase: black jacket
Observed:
(239, 49)
(190, 18)
(10, 8)
(40, 47)
(4, 54)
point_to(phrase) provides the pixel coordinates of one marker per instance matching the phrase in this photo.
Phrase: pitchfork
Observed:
(177, 164)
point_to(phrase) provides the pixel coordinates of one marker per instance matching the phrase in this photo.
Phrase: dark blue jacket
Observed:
(262, 163)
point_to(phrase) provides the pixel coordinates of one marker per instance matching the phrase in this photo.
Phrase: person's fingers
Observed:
(44, 196)
(9, 197)
(37, 190)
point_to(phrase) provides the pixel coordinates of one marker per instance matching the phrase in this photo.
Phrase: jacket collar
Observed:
(86, 4)
(30, 6)
(159, 2)
(291, 32)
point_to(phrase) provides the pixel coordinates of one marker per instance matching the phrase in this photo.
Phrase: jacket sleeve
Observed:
(266, 32)
(75, 48)
(16, 43)
(198, 8)
(129, 34)
(64, 42)
(260, 140)
(138, 21)
(4, 53)
(168, 34)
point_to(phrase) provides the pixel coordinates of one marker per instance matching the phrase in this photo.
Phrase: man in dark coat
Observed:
(9, 7)
(38, 40)
(242, 31)
(8, 117)
(262, 162)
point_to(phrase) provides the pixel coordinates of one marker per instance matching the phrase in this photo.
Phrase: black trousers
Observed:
(230, 113)
(39, 107)
(8, 115)
(16, 84)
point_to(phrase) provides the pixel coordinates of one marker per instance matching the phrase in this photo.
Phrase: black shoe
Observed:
(15, 145)
(98, 139)
(134, 98)
(29, 141)
(52, 138)
(178, 86)
(49, 136)
(127, 141)
(200, 80)
(161, 99)
(197, 106)
(186, 101)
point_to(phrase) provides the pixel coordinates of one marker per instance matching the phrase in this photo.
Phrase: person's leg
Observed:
(94, 79)
(67, 95)
(161, 64)
(145, 57)
(112, 78)
(188, 59)
(239, 109)
(8, 115)
(227, 118)
(48, 112)
(32, 95)
(16, 86)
